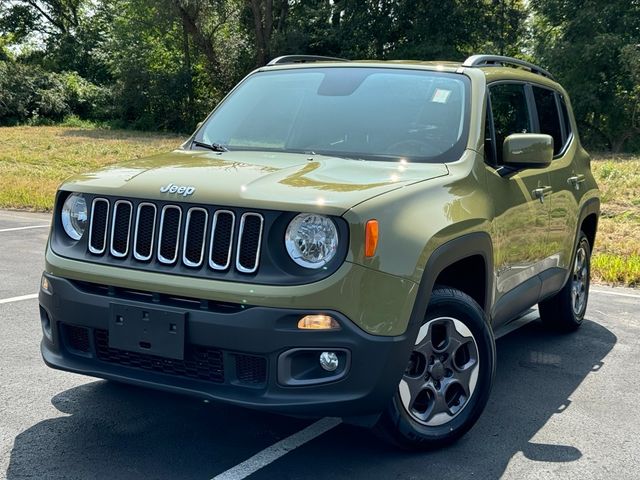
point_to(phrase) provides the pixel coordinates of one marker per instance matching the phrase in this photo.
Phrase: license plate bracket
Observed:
(147, 330)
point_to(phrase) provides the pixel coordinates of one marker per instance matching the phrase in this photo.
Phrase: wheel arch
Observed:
(446, 263)
(588, 221)
(588, 218)
(589, 225)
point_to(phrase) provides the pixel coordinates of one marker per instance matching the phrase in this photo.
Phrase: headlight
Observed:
(311, 240)
(74, 216)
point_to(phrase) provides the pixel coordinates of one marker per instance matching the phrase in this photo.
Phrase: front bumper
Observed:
(378, 303)
(242, 347)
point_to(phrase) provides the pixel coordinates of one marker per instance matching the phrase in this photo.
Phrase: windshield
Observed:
(369, 113)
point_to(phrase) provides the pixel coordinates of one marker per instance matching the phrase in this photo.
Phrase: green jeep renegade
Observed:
(337, 238)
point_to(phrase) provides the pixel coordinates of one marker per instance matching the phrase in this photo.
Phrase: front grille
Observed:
(169, 234)
(200, 363)
(144, 233)
(221, 239)
(98, 227)
(194, 237)
(121, 228)
(175, 235)
(249, 243)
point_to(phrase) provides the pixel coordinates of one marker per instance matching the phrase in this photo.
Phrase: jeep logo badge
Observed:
(178, 189)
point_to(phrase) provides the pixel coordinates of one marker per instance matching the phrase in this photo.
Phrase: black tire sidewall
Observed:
(412, 434)
(556, 312)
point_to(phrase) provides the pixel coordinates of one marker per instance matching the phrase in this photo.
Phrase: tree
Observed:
(163, 64)
(395, 29)
(593, 48)
(69, 29)
(267, 21)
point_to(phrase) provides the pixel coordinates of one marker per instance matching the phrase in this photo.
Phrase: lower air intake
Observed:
(200, 363)
(76, 338)
(251, 370)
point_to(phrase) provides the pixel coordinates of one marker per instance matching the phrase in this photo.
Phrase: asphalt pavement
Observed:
(563, 406)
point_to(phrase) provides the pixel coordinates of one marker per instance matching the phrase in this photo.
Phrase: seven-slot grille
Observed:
(172, 234)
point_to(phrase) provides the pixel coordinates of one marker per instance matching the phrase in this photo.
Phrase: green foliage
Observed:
(145, 60)
(616, 269)
(19, 20)
(594, 49)
(30, 94)
(403, 29)
(85, 99)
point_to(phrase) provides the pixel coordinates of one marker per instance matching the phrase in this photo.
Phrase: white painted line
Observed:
(23, 228)
(619, 294)
(18, 299)
(24, 215)
(277, 450)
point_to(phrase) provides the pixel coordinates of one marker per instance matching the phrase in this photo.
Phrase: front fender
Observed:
(425, 227)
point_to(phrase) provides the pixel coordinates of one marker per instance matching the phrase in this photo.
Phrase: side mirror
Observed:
(527, 150)
(198, 125)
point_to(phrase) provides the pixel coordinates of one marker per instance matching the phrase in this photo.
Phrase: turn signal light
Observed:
(44, 284)
(371, 238)
(318, 322)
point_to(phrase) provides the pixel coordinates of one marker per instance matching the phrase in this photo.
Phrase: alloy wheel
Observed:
(442, 372)
(580, 277)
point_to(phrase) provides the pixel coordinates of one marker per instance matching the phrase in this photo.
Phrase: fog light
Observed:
(328, 361)
(318, 322)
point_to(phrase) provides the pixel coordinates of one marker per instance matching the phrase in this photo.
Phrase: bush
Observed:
(85, 99)
(29, 94)
(75, 121)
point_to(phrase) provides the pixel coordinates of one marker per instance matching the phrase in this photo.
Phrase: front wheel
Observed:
(447, 382)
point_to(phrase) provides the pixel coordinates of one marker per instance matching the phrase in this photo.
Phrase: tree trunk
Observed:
(282, 18)
(202, 41)
(262, 11)
(187, 67)
(617, 144)
(335, 13)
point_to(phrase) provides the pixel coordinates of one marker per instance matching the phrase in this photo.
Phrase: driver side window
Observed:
(510, 112)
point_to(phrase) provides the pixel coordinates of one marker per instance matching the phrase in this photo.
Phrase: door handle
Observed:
(576, 180)
(540, 193)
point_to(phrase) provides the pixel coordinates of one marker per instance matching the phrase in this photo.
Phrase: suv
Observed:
(337, 238)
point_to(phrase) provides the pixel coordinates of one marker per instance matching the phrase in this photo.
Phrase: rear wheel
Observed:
(565, 310)
(447, 382)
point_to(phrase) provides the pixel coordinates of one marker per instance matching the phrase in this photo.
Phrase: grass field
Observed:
(35, 160)
(616, 258)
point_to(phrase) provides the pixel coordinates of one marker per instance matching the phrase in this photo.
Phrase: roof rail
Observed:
(499, 60)
(303, 59)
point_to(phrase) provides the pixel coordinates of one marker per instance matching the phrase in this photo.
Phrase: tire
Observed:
(438, 401)
(565, 310)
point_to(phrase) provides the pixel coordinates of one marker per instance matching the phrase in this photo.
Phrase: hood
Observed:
(277, 181)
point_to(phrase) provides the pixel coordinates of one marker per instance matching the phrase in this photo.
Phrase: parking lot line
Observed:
(18, 299)
(277, 450)
(618, 294)
(23, 228)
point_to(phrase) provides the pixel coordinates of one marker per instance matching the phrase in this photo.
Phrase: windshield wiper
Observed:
(216, 147)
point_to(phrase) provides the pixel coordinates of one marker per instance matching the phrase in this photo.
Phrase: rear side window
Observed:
(510, 112)
(565, 117)
(548, 116)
